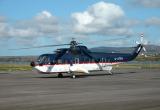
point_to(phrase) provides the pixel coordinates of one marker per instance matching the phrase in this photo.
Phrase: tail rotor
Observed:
(143, 43)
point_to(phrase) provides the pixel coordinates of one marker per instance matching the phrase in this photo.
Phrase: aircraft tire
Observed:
(73, 76)
(60, 75)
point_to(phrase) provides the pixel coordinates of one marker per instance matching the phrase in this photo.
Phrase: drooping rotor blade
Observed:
(60, 54)
(92, 57)
(88, 54)
(42, 46)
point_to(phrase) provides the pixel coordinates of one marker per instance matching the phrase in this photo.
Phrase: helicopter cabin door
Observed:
(76, 60)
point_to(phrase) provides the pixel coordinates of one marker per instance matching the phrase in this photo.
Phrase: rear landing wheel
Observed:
(60, 75)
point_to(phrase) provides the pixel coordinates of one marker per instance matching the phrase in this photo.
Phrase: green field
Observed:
(138, 66)
(14, 67)
(148, 58)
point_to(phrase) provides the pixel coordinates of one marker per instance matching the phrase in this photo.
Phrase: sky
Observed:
(27, 23)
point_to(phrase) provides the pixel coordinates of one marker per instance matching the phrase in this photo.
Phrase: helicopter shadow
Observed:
(64, 77)
(68, 76)
(87, 75)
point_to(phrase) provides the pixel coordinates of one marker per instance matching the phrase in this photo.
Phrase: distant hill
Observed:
(151, 49)
(17, 59)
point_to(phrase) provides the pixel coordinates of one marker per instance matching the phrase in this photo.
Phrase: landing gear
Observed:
(110, 73)
(73, 76)
(109, 69)
(60, 75)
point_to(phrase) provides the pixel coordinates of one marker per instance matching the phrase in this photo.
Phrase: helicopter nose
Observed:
(32, 64)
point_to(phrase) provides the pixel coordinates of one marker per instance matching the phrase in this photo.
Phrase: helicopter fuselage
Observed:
(81, 60)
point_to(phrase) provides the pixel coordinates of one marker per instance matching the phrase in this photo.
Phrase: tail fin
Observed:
(139, 47)
(136, 51)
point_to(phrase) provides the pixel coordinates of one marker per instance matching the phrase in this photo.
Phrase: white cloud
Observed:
(43, 24)
(23, 32)
(101, 18)
(2, 19)
(44, 15)
(3, 28)
(146, 3)
(153, 21)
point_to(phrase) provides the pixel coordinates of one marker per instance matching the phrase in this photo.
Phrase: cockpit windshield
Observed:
(45, 59)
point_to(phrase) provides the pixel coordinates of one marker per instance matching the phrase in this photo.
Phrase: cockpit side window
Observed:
(46, 59)
(43, 60)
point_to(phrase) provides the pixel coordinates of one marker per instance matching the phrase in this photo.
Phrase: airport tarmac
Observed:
(124, 90)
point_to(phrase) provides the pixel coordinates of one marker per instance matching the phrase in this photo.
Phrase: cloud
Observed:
(153, 21)
(146, 3)
(3, 27)
(2, 19)
(101, 18)
(46, 23)
(43, 24)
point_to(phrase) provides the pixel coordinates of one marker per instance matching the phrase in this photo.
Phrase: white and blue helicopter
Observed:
(79, 59)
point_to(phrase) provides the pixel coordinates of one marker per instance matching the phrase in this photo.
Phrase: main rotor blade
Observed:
(88, 54)
(59, 55)
(41, 46)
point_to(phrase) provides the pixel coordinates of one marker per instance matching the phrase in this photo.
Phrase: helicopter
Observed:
(78, 59)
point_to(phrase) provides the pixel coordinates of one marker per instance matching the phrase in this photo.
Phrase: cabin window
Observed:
(93, 61)
(87, 60)
(102, 60)
(76, 60)
(84, 60)
(98, 59)
(90, 60)
(59, 61)
(65, 61)
(52, 62)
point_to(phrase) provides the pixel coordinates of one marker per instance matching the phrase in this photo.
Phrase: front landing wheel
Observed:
(60, 75)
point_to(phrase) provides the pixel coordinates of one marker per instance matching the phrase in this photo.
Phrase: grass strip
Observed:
(14, 67)
(138, 66)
